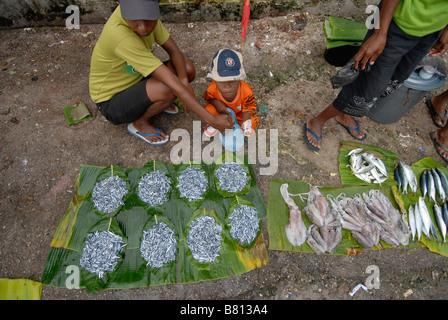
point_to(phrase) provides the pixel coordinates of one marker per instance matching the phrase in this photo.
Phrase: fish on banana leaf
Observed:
(423, 185)
(445, 213)
(443, 179)
(407, 177)
(425, 216)
(418, 221)
(438, 184)
(411, 217)
(430, 184)
(439, 220)
(367, 167)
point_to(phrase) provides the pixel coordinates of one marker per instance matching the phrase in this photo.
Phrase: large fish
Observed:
(418, 221)
(438, 184)
(423, 185)
(431, 187)
(411, 217)
(424, 214)
(439, 220)
(443, 179)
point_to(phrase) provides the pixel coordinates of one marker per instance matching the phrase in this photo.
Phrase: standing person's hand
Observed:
(441, 46)
(370, 50)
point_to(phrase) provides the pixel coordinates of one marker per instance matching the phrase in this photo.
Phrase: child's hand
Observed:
(247, 128)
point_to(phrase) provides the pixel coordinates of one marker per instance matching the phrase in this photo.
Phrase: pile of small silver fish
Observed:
(108, 194)
(158, 245)
(325, 234)
(434, 184)
(153, 188)
(244, 224)
(231, 176)
(366, 166)
(100, 253)
(421, 223)
(405, 178)
(204, 239)
(295, 229)
(192, 183)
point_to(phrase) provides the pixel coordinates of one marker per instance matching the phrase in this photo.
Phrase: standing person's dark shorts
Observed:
(390, 70)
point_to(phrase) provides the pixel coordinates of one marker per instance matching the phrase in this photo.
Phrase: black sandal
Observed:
(438, 144)
(434, 112)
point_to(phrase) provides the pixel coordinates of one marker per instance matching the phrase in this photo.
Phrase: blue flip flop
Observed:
(314, 134)
(142, 136)
(176, 108)
(357, 129)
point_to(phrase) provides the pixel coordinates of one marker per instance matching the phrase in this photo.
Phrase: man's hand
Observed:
(222, 122)
(370, 50)
(441, 46)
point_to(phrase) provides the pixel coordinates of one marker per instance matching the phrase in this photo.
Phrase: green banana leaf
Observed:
(278, 216)
(342, 29)
(349, 179)
(20, 289)
(411, 199)
(342, 32)
(80, 217)
(234, 204)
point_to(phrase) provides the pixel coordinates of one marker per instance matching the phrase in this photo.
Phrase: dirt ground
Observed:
(45, 69)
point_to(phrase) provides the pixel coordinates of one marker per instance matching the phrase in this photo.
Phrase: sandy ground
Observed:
(45, 69)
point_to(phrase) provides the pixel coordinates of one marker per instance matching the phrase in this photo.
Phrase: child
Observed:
(228, 90)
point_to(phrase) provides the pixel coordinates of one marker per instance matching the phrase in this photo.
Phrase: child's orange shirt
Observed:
(244, 100)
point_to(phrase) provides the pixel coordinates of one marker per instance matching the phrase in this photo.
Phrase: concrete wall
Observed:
(32, 13)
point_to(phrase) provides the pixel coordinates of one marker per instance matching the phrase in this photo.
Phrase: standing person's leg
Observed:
(440, 136)
(437, 108)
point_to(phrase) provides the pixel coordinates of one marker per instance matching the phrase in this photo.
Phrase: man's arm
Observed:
(375, 45)
(186, 95)
(441, 46)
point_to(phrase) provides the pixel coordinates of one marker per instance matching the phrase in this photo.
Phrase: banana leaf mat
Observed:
(278, 216)
(132, 271)
(278, 211)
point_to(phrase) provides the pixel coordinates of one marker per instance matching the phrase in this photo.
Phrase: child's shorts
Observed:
(239, 115)
(127, 105)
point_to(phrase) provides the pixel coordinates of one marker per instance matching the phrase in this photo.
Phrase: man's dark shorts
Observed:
(127, 105)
